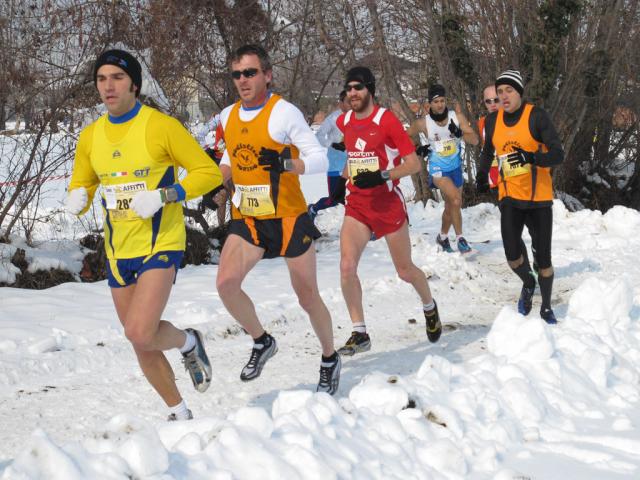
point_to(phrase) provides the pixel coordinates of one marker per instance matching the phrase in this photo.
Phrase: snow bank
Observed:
(539, 391)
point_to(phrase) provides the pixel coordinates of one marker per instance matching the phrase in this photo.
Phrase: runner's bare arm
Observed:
(416, 127)
(469, 135)
(410, 165)
(226, 176)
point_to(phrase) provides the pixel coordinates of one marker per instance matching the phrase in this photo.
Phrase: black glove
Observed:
(368, 179)
(455, 130)
(423, 150)
(272, 160)
(338, 146)
(520, 157)
(482, 183)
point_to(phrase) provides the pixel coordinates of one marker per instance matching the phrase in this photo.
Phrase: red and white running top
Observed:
(377, 142)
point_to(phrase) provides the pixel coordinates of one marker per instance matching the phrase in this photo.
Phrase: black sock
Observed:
(546, 285)
(330, 359)
(525, 274)
(263, 339)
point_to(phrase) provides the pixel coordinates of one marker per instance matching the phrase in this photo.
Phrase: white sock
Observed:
(180, 411)
(359, 327)
(442, 236)
(458, 237)
(189, 343)
(427, 307)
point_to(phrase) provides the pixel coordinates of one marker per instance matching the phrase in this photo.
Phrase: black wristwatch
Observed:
(169, 195)
(386, 175)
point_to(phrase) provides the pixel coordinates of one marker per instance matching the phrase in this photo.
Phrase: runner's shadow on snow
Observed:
(403, 361)
(582, 266)
(407, 360)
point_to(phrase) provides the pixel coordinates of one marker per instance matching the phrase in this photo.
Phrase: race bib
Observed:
(512, 168)
(118, 199)
(446, 148)
(254, 200)
(362, 164)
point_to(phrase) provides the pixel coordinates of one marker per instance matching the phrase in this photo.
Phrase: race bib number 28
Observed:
(118, 199)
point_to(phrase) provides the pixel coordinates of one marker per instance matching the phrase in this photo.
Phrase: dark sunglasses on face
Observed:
(247, 72)
(489, 101)
(355, 86)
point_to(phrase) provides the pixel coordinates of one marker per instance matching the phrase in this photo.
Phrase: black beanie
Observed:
(436, 90)
(511, 78)
(123, 60)
(364, 76)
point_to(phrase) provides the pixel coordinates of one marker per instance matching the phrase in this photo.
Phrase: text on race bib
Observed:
(118, 199)
(362, 162)
(512, 168)
(446, 148)
(253, 200)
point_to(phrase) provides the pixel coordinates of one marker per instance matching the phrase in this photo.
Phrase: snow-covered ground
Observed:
(500, 396)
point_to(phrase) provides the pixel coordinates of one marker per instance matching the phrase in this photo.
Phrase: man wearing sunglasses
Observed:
(133, 153)
(526, 144)
(268, 145)
(445, 130)
(492, 104)
(379, 153)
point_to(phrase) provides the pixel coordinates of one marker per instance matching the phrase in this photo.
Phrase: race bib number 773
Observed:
(254, 200)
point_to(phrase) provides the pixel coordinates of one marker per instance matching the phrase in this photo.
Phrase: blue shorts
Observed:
(454, 175)
(125, 271)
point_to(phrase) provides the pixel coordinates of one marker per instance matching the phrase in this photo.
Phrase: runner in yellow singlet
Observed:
(133, 153)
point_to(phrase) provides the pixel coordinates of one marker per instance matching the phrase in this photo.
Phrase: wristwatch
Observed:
(169, 195)
(287, 163)
(386, 175)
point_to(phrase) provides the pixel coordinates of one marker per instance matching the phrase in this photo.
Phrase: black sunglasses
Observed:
(355, 86)
(247, 72)
(489, 101)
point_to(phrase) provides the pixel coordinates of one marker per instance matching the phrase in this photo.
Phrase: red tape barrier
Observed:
(35, 180)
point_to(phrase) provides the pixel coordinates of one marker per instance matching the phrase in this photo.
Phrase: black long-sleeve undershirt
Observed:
(541, 129)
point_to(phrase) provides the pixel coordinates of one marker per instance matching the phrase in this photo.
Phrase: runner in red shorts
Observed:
(379, 153)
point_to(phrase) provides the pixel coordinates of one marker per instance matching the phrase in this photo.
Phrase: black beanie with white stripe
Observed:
(511, 78)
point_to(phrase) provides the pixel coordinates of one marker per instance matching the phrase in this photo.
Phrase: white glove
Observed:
(76, 200)
(146, 203)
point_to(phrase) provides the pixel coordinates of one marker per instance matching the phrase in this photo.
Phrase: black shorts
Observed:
(279, 237)
(539, 222)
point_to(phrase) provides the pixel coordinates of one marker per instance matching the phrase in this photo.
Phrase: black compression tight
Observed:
(539, 222)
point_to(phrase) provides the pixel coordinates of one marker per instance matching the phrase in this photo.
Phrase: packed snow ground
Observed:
(500, 396)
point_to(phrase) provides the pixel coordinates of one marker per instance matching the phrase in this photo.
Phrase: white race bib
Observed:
(118, 199)
(254, 200)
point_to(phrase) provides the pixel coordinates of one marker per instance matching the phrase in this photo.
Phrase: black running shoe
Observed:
(358, 342)
(260, 353)
(196, 362)
(444, 244)
(434, 327)
(525, 302)
(548, 316)
(329, 376)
